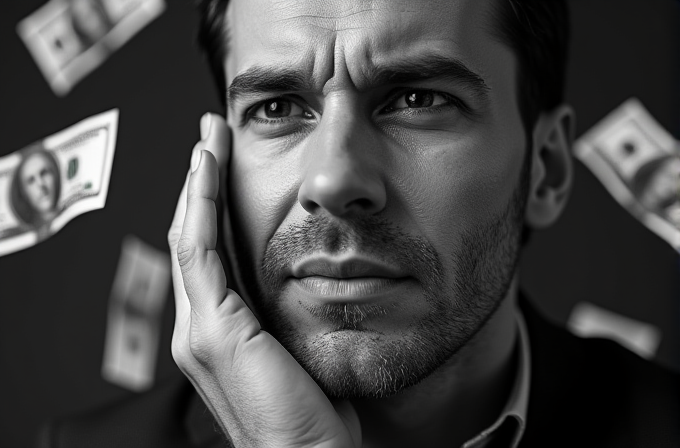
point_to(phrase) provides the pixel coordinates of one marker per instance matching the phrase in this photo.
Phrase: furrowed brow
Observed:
(261, 79)
(430, 67)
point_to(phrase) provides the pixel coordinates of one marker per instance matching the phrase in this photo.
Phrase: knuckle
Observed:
(201, 349)
(206, 345)
(199, 145)
(180, 354)
(174, 235)
(186, 252)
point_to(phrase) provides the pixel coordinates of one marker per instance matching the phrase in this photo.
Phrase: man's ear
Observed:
(552, 166)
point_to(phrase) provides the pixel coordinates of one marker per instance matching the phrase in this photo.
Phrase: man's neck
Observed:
(459, 400)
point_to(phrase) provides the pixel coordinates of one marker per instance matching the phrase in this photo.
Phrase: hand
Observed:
(258, 393)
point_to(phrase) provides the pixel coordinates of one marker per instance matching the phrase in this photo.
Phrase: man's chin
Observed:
(364, 363)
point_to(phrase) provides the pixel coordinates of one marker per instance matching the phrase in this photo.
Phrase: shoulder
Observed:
(594, 392)
(170, 415)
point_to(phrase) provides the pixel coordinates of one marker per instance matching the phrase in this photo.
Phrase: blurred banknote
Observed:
(591, 321)
(48, 183)
(638, 161)
(70, 38)
(135, 308)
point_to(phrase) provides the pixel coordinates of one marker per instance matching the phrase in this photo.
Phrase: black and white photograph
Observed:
(340, 224)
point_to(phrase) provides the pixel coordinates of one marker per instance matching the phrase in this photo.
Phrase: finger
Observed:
(178, 218)
(216, 138)
(215, 133)
(202, 272)
(175, 231)
(218, 142)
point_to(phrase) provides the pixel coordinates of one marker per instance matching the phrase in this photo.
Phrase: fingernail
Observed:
(195, 159)
(206, 121)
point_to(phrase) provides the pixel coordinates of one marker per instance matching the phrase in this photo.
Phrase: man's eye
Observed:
(417, 99)
(280, 108)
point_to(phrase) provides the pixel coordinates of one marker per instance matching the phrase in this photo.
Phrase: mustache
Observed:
(370, 235)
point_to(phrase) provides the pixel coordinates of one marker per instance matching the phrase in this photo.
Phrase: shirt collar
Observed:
(516, 407)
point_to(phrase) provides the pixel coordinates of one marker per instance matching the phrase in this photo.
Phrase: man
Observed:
(35, 190)
(378, 168)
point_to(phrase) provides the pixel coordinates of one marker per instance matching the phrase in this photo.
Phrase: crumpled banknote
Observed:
(48, 183)
(133, 325)
(638, 162)
(70, 38)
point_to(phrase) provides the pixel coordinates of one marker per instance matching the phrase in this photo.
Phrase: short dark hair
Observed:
(536, 30)
(213, 37)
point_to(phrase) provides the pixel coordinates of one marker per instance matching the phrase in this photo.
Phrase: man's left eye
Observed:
(417, 99)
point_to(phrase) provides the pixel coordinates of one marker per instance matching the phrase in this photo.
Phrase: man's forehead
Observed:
(321, 36)
(34, 162)
(338, 15)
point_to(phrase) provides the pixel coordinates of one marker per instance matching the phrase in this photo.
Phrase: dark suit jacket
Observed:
(584, 393)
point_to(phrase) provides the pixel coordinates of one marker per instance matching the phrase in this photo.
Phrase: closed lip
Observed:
(345, 267)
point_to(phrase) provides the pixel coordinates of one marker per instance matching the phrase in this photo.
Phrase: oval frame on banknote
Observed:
(80, 23)
(21, 204)
(661, 169)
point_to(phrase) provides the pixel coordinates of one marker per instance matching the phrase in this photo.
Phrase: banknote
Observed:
(135, 308)
(591, 321)
(638, 162)
(70, 38)
(48, 183)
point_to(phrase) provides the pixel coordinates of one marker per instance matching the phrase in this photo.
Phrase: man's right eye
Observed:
(279, 108)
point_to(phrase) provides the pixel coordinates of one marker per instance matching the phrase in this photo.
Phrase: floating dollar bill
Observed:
(45, 185)
(638, 162)
(591, 321)
(135, 308)
(70, 38)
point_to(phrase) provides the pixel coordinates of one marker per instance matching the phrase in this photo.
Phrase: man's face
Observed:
(374, 182)
(38, 181)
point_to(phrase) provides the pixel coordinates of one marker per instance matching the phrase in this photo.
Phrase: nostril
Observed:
(308, 205)
(361, 203)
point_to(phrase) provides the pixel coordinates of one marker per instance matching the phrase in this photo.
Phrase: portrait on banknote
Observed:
(657, 185)
(35, 190)
(89, 20)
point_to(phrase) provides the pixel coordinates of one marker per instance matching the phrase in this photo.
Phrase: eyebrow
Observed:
(260, 79)
(429, 67)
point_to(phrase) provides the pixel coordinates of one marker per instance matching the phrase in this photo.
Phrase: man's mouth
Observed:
(346, 278)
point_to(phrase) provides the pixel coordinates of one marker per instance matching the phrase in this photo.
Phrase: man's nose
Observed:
(342, 172)
(42, 184)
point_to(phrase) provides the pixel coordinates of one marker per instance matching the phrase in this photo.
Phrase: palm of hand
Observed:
(258, 393)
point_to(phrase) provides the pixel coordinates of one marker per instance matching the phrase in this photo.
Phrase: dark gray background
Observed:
(53, 297)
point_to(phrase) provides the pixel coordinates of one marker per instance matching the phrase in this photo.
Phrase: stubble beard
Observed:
(366, 364)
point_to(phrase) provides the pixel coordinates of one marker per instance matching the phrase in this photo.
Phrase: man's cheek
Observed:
(262, 194)
(463, 199)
